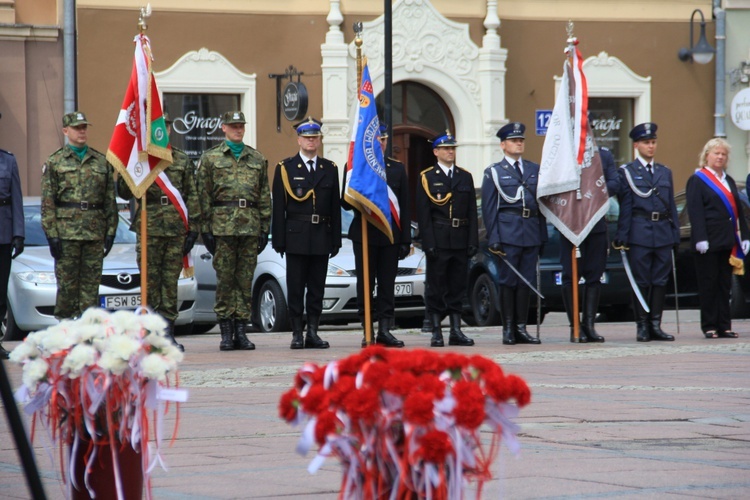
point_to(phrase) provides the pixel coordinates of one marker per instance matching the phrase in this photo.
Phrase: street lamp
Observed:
(702, 52)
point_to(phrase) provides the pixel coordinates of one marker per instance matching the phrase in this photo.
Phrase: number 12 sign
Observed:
(543, 116)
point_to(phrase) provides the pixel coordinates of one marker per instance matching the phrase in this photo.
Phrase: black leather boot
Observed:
(312, 341)
(656, 304)
(641, 317)
(456, 336)
(437, 333)
(567, 296)
(384, 336)
(227, 332)
(297, 340)
(169, 334)
(522, 314)
(241, 342)
(590, 306)
(507, 310)
(3, 353)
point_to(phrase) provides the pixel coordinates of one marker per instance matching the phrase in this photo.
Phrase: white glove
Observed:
(745, 246)
(702, 246)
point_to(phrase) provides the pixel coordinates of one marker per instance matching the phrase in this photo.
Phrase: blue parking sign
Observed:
(543, 116)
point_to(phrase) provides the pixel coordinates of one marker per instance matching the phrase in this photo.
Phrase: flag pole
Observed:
(142, 27)
(574, 252)
(363, 219)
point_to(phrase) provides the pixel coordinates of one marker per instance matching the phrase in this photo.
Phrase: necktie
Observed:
(450, 174)
(649, 169)
(518, 168)
(311, 166)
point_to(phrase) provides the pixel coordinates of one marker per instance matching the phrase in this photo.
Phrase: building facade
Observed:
(467, 66)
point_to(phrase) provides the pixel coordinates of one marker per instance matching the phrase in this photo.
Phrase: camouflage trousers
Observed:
(234, 262)
(164, 254)
(78, 272)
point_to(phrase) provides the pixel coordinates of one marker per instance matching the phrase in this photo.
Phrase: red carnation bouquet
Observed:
(405, 424)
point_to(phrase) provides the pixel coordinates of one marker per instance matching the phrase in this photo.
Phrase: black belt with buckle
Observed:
(4, 201)
(241, 203)
(451, 222)
(162, 200)
(523, 212)
(83, 205)
(652, 216)
(314, 218)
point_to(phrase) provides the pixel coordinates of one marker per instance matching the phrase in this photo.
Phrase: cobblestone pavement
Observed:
(620, 419)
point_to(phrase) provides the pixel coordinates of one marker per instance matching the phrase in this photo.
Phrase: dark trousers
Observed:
(591, 264)
(523, 259)
(305, 271)
(714, 285)
(446, 281)
(5, 259)
(651, 266)
(383, 261)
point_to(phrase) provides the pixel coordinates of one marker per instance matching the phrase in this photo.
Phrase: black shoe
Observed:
(437, 333)
(297, 341)
(523, 337)
(387, 339)
(169, 333)
(312, 341)
(590, 306)
(226, 326)
(657, 307)
(456, 336)
(241, 342)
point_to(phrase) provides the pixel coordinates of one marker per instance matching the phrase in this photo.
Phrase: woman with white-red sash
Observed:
(719, 236)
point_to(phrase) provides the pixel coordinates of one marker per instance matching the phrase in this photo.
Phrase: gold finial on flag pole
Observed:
(145, 14)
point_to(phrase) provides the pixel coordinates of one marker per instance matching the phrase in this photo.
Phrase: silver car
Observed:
(270, 312)
(32, 286)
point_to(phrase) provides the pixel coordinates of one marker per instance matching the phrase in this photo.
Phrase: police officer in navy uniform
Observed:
(447, 215)
(515, 228)
(306, 226)
(12, 230)
(648, 229)
(592, 261)
(383, 255)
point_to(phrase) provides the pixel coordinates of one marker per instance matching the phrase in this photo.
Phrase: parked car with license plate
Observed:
(270, 312)
(32, 287)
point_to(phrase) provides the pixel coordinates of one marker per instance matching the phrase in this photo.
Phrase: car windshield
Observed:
(35, 234)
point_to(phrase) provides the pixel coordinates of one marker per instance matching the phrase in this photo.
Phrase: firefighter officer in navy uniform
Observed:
(648, 229)
(306, 226)
(447, 215)
(591, 263)
(12, 231)
(383, 255)
(515, 228)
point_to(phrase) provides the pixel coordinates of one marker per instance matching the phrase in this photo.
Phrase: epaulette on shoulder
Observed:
(426, 170)
(6, 152)
(624, 165)
(96, 152)
(460, 168)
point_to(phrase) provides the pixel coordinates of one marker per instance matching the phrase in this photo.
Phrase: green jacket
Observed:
(222, 179)
(66, 179)
(163, 217)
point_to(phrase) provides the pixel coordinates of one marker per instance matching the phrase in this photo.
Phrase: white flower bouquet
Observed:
(92, 381)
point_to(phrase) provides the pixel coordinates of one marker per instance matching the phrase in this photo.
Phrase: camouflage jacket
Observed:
(66, 179)
(224, 182)
(163, 217)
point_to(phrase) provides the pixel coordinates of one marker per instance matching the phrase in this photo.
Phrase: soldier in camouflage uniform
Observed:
(235, 204)
(79, 217)
(168, 238)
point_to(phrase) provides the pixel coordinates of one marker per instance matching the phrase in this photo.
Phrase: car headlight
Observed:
(422, 266)
(38, 278)
(334, 270)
